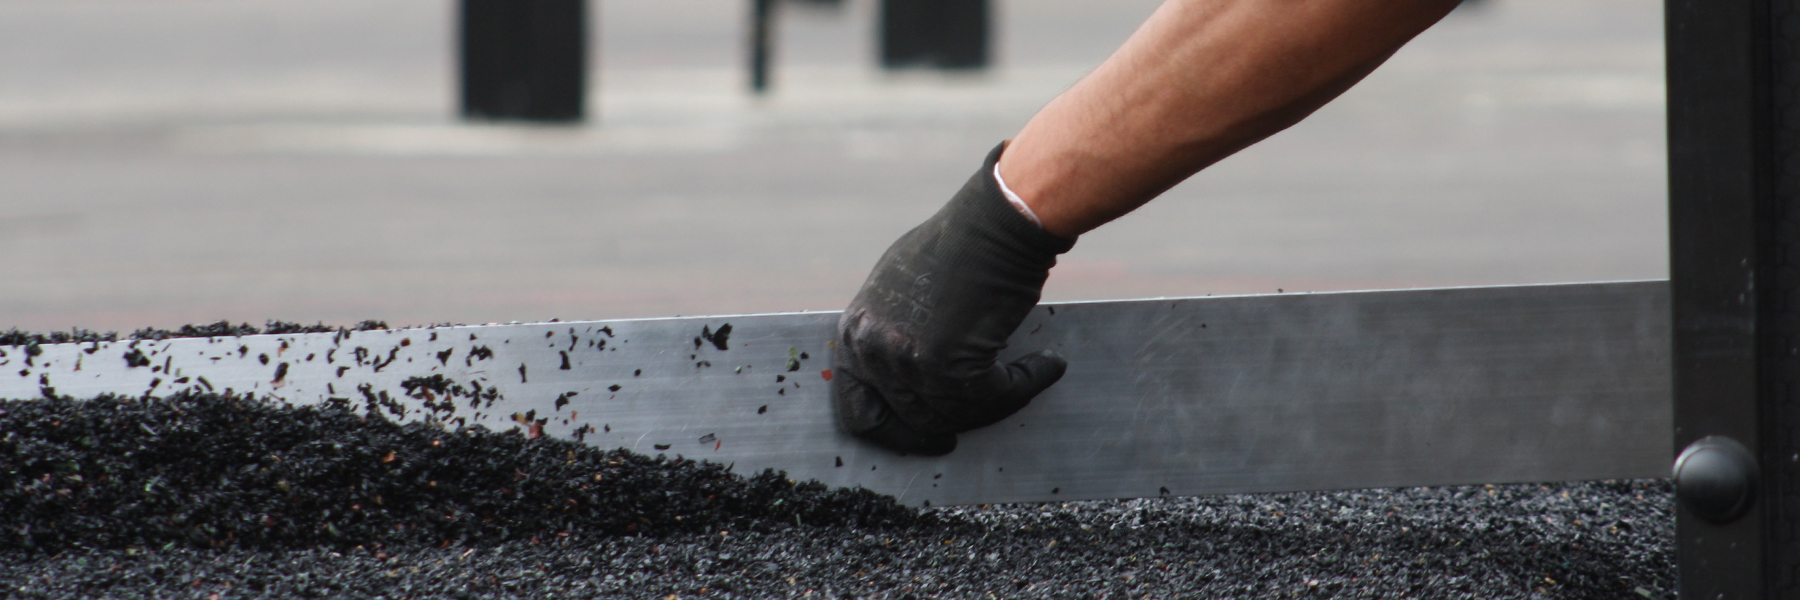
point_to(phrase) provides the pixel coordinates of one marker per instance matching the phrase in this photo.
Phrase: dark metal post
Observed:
(762, 14)
(524, 59)
(947, 34)
(1734, 217)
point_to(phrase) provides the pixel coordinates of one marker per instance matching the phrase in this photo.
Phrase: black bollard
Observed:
(524, 59)
(762, 16)
(945, 34)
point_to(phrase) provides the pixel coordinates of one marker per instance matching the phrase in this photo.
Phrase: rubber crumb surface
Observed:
(205, 496)
(16, 337)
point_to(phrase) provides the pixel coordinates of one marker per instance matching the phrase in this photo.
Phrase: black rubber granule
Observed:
(203, 495)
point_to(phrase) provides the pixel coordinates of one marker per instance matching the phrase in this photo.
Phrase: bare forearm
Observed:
(1199, 81)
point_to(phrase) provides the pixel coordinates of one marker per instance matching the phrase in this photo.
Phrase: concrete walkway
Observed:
(173, 161)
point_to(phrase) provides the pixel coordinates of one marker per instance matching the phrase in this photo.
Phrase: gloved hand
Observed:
(915, 361)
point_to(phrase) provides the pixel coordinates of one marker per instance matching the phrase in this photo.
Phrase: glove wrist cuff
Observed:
(1017, 202)
(990, 205)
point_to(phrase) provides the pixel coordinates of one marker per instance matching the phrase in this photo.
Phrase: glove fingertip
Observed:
(1018, 383)
(1041, 370)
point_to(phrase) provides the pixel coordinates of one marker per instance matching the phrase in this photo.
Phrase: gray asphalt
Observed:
(173, 161)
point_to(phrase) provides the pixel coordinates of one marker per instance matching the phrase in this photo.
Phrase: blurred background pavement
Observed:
(173, 161)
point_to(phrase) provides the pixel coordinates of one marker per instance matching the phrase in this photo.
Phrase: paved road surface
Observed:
(172, 161)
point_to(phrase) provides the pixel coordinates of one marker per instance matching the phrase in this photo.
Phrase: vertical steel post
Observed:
(524, 59)
(1734, 218)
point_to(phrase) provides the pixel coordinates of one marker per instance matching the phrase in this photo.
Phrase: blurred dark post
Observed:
(945, 34)
(524, 59)
(762, 14)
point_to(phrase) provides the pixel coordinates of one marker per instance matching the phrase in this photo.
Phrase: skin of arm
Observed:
(1199, 81)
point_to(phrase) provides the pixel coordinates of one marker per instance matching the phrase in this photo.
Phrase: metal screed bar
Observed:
(1176, 396)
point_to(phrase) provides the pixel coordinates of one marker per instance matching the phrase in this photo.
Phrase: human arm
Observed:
(1199, 81)
(915, 359)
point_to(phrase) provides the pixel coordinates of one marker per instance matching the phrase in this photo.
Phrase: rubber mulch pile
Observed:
(207, 496)
(15, 337)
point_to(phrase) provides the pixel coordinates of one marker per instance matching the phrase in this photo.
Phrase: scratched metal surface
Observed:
(1175, 396)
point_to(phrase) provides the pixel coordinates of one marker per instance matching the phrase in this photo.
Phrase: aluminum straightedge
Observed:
(1168, 396)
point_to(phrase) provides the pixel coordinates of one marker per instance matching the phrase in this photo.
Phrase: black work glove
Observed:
(915, 361)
